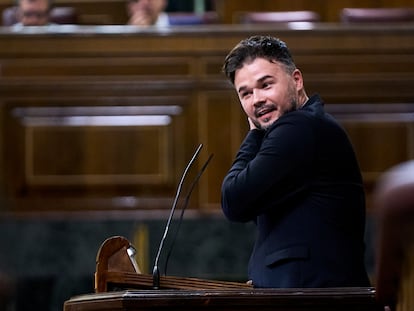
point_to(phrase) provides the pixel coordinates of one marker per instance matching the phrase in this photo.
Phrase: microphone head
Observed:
(156, 278)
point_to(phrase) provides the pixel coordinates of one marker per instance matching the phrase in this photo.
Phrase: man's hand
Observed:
(253, 125)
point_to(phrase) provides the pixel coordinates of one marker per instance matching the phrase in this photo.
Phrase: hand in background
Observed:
(140, 18)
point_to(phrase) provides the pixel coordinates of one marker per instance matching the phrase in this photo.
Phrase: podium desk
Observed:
(116, 274)
(321, 299)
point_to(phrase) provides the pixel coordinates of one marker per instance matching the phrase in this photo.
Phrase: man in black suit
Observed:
(296, 176)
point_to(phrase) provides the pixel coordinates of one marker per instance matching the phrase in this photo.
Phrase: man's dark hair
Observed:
(249, 49)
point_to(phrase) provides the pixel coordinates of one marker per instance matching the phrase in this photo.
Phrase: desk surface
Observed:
(251, 299)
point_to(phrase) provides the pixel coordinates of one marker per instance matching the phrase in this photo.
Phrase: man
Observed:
(147, 13)
(33, 12)
(296, 176)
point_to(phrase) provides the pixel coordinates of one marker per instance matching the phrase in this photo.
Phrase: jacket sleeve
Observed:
(268, 169)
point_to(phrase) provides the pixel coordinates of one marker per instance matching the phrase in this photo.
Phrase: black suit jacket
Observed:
(301, 183)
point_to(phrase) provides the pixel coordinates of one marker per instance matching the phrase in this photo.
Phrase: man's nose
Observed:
(258, 97)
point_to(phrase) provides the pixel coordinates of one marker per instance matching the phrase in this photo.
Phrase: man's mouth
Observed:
(263, 111)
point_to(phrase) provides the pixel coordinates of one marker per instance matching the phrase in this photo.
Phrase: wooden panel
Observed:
(211, 67)
(379, 145)
(382, 134)
(79, 155)
(222, 127)
(94, 66)
(363, 63)
(48, 77)
(88, 150)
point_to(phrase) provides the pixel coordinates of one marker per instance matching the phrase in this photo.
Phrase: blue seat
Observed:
(188, 18)
(376, 15)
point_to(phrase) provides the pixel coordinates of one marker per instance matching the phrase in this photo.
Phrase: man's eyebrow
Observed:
(242, 88)
(264, 78)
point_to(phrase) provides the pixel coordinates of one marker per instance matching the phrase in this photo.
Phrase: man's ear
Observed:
(298, 78)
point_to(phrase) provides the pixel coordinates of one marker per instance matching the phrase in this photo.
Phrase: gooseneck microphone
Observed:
(187, 199)
(155, 271)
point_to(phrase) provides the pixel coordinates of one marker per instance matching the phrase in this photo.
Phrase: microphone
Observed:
(155, 271)
(187, 199)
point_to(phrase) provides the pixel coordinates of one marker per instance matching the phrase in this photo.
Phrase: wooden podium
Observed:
(116, 268)
(120, 286)
(355, 299)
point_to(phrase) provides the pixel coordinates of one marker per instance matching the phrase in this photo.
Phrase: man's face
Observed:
(34, 12)
(150, 8)
(266, 91)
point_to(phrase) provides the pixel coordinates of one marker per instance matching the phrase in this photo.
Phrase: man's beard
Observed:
(293, 106)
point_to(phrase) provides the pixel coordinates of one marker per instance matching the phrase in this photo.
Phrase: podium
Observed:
(119, 285)
(333, 299)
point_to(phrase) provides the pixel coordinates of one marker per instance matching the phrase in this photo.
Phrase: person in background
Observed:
(33, 12)
(147, 13)
(295, 176)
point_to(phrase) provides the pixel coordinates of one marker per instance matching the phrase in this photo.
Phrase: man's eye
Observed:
(245, 94)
